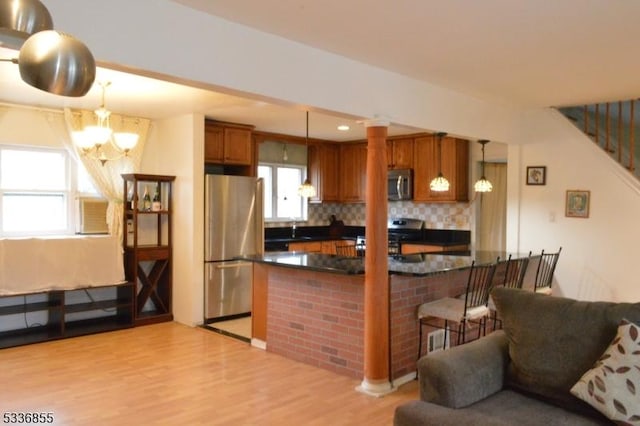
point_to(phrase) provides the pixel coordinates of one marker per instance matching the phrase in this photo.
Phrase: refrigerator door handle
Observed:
(228, 265)
(260, 215)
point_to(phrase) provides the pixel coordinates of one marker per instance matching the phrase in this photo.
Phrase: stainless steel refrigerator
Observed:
(234, 226)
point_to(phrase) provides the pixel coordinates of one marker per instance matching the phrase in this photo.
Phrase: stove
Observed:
(401, 230)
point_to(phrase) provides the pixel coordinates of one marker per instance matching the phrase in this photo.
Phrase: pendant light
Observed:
(440, 183)
(307, 190)
(483, 185)
(49, 60)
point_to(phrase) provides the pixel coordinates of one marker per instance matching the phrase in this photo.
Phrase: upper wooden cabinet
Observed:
(323, 171)
(228, 144)
(353, 172)
(400, 153)
(455, 167)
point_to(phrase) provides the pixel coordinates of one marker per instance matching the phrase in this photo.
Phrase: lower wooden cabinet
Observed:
(306, 246)
(325, 247)
(411, 248)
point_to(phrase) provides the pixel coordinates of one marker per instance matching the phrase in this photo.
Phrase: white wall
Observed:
(27, 126)
(598, 253)
(176, 147)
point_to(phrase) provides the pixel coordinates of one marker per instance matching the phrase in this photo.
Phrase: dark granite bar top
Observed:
(440, 237)
(412, 264)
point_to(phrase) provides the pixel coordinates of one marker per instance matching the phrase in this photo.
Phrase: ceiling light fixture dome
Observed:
(57, 63)
(22, 18)
(49, 60)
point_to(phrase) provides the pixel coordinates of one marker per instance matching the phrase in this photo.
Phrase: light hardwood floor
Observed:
(171, 374)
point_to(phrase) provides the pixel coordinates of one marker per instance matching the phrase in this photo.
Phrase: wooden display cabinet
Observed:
(148, 248)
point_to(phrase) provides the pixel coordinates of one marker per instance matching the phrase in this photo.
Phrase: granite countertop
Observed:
(435, 237)
(413, 264)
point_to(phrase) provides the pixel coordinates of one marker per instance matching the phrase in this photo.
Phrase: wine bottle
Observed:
(156, 206)
(146, 200)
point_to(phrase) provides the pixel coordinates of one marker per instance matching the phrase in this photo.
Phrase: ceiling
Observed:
(524, 53)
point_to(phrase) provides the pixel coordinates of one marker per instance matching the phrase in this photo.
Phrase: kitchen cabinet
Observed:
(323, 160)
(400, 153)
(410, 248)
(353, 172)
(455, 167)
(325, 246)
(306, 246)
(147, 247)
(230, 144)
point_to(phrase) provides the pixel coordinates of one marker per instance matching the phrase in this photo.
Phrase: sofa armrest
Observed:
(465, 374)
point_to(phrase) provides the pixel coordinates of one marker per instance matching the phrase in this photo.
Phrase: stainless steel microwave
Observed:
(400, 184)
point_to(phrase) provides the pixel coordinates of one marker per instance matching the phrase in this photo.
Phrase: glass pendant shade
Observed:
(439, 184)
(306, 189)
(483, 184)
(125, 141)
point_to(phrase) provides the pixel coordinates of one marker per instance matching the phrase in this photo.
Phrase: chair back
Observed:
(546, 268)
(478, 286)
(514, 271)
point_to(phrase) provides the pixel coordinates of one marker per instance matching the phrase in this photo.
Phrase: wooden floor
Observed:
(170, 374)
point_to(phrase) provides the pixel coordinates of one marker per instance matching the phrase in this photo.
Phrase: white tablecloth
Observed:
(30, 265)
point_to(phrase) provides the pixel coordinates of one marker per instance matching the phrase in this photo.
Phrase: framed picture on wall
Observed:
(536, 175)
(577, 203)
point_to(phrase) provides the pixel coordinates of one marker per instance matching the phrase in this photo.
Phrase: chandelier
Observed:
(306, 190)
(440, 183)
(92, 139)
(483, 184)
(48, 60)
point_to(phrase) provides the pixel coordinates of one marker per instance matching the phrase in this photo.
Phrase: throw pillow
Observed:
(612, 386)
(554, 340)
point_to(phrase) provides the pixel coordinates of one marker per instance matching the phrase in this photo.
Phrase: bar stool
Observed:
(513, 278)
(544, 273)
(463, 310)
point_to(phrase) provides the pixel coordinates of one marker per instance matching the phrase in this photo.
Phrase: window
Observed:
(281, 199)
(37, 191)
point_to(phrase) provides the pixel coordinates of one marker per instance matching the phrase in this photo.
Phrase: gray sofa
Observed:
(521, 375)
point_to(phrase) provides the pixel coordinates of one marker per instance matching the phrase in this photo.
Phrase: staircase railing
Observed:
(613, 126)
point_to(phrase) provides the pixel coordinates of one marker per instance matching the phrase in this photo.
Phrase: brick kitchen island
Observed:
(310, 307)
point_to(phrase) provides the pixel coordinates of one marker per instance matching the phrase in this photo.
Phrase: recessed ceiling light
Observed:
(343, 127)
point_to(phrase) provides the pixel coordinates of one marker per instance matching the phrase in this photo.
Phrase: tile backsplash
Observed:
(435, 215)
